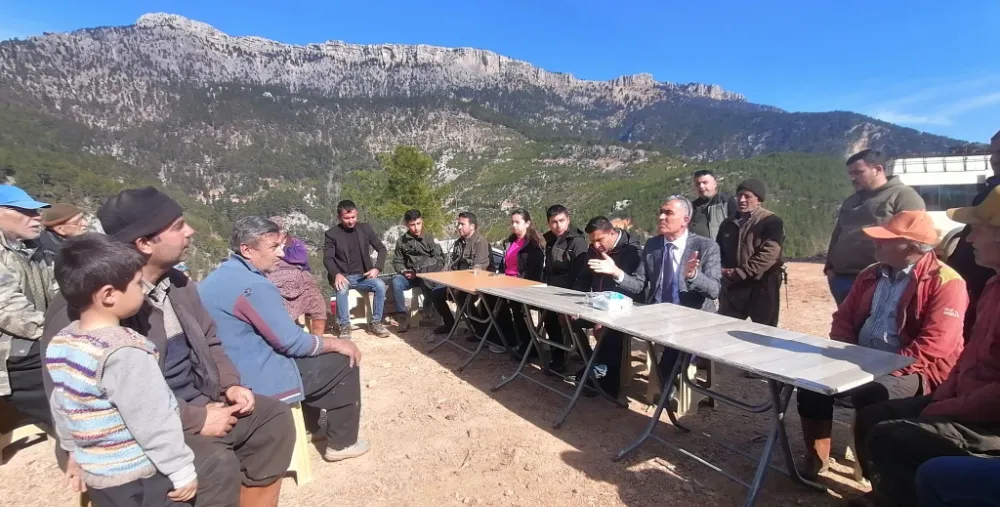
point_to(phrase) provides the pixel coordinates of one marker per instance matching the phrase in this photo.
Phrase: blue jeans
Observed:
(401, 284)
(360, 284)
(840, 286)
(959, 481)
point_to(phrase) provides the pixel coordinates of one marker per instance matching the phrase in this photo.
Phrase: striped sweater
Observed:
(105, 449)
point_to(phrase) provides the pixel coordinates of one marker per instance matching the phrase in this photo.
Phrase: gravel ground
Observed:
(443, 438)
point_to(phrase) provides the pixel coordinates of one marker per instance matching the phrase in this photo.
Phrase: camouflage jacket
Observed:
(27, 284)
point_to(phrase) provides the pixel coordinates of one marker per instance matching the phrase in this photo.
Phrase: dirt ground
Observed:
(443, 438)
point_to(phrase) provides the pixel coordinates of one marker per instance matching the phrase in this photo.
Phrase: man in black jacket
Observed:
(471, 250)
(963, 259)
(416, 252)
(613, 252)
(348, 261)
(565, 249)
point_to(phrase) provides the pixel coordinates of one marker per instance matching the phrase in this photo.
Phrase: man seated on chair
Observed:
(416, 252)
(689, 275)
(471, 250)
(909, 303)
(275, 356)
(348, 261)
(613, 252)
(962, 416)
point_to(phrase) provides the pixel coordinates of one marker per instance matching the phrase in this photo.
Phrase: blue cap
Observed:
(14, 197)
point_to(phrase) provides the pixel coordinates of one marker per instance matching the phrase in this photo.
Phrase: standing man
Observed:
(274, 355)
(565, 249)
(242, 443)
(750, 245)
(613, 254)
(712, 207)
(348, 260)
(416, 252)
(678, 267)
(469, 251)
(27, 285)
(877, 197)
(61, 221)
(963, 259)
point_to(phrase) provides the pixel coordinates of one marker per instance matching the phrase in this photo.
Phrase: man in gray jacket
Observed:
(878, 197)
(677, 267)
(712, 207)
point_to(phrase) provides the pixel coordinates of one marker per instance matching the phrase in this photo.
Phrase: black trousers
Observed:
(255, 453)
(609, 353)
(758, 300)
(819, 407)
(27, 393)
(149, 492)
(899, 440)
(509, 318)
(331, 384)
(440, 299)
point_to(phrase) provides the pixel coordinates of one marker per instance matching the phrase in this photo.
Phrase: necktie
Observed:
(669, 290)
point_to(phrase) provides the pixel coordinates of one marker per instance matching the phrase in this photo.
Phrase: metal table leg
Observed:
(491, 323)
(460, 313)
(581, 382)
(661, 405)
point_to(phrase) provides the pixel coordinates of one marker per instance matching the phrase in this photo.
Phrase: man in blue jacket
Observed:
(275, 356)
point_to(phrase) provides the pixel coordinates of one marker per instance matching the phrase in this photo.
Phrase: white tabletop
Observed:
(808, 362)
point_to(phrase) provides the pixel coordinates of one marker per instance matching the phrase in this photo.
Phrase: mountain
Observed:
(248, 125)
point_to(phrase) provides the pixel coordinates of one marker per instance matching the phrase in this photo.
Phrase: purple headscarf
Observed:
(296, 253)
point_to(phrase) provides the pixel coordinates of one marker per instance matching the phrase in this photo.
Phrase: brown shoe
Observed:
(816, 436)
(377, 329)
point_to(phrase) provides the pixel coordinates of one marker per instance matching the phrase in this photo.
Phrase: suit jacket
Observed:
(698, 292)
(335, 250)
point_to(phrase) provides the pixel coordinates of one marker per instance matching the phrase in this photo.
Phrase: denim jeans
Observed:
(959, 481)
(401, 284)
(361, 284)
(840, 286)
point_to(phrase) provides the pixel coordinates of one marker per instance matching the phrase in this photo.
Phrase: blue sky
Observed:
(931, 65)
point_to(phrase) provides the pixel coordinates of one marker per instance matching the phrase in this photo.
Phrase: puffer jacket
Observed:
(627, 257)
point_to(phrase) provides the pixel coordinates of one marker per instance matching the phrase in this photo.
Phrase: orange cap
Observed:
(911, 225)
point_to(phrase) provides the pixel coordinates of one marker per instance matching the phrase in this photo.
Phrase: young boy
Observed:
(112, 408)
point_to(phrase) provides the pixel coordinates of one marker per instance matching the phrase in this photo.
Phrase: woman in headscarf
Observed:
(298, 287)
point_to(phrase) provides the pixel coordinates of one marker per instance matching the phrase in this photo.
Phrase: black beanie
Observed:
(755, 186)
(138, 213)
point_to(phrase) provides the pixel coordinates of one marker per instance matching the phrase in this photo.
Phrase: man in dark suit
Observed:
(348, 261)
(678, 266)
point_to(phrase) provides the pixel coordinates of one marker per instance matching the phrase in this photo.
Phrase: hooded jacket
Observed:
(626, 256)
(929, 317)
(850, 250)
(564, 257)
